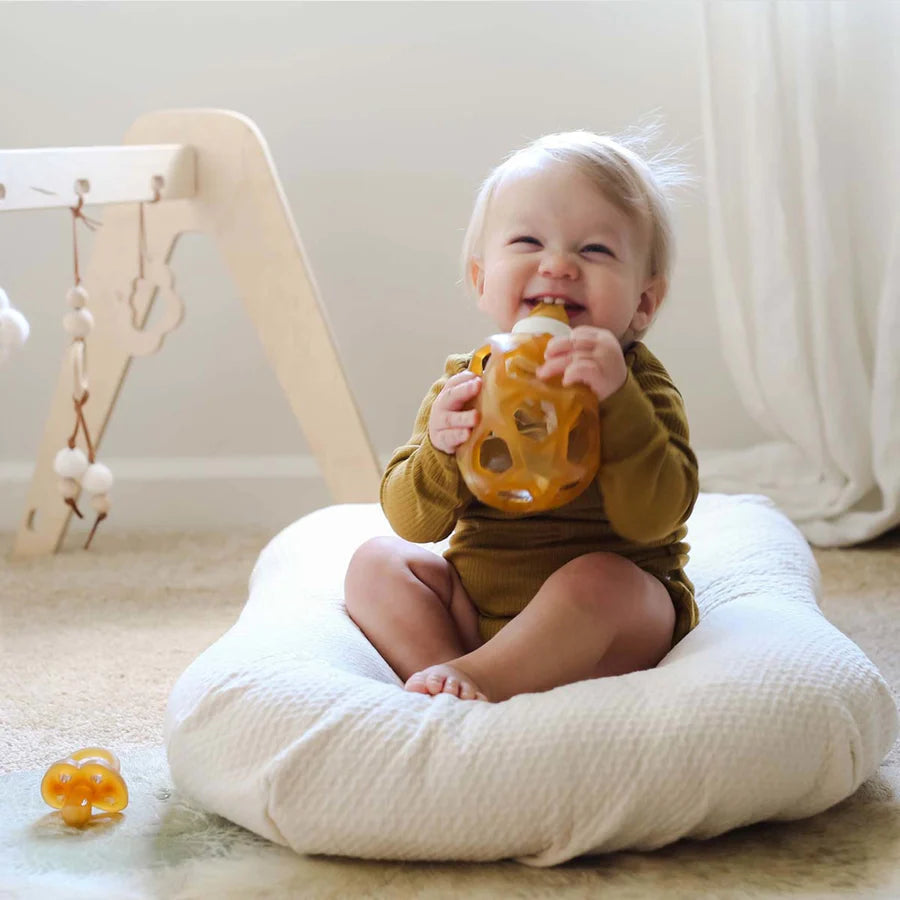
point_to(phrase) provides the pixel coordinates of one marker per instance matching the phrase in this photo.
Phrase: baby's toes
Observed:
(444, 679)
(435, 682)
(418, 683)
(452, 685)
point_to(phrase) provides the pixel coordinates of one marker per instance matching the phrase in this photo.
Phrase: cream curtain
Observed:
(800, 113)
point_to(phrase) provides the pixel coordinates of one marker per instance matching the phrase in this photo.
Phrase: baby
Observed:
(597, 587)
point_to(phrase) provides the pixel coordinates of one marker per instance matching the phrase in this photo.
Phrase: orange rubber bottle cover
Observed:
(537, 444)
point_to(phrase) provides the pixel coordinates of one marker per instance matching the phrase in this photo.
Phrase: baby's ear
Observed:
(476, 276)
(651, 297)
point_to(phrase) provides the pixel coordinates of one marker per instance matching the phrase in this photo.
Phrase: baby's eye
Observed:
(598, 248)
(526, 239)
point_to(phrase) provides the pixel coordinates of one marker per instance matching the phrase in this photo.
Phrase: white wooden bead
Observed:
(97, 479)
(14, 328)
(100, 503)
(76, 296)
(70, 463)
(78, 323)
(68, 487)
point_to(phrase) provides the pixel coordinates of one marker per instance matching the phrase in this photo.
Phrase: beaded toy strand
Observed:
(75, 470)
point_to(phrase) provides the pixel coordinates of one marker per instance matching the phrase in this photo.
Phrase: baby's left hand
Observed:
(591, 356)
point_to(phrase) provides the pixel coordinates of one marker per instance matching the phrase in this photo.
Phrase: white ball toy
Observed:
(70, 463)
(14, 329)
(68, 487)
(97, 479)
(77, 297)
(78, 322)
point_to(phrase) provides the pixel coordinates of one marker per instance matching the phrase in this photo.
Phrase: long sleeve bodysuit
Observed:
(636, 507)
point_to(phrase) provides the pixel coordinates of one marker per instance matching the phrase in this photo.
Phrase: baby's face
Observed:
(550, 232)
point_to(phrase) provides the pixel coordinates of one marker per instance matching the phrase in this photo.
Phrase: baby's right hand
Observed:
(450, 425)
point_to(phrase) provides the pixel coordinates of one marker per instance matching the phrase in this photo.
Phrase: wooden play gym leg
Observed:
(240, 202)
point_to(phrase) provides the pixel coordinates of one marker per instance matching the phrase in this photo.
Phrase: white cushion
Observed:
(293, 726)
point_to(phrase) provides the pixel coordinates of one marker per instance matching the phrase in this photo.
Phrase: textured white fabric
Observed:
(804, 214)
(293, 726)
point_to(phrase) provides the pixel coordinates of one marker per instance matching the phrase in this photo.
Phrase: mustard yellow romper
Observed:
(637, 506)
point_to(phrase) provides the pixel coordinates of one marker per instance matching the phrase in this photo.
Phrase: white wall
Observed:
(382, 118)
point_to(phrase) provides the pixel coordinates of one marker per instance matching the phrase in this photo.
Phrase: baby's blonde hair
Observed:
(618, 166)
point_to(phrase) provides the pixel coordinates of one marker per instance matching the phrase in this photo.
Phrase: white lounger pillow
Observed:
(294, 727)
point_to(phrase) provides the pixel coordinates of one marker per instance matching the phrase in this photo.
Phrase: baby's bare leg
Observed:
(412, 607)
(597, 615)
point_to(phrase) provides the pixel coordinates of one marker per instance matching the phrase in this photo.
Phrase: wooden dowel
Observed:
(56, 177)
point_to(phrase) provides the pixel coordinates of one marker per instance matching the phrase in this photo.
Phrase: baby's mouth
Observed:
(572, 308)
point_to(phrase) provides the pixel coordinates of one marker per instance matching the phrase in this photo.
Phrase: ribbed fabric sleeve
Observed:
(422, 492)
(648, 472)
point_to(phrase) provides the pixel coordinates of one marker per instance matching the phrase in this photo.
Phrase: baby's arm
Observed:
(422, 492)
(648, 471)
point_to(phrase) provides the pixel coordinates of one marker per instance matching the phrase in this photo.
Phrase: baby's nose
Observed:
(558, 265)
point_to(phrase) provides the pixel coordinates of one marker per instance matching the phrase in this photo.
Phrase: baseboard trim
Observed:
(191, 492)
(185, 468)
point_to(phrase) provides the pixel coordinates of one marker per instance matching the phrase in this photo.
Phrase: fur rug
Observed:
(162, 846)
(142, 606)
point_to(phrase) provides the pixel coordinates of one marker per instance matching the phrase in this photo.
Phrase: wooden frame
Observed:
(236, 198)
(34, 179)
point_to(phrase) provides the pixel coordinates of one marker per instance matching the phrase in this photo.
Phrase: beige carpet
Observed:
(92, 643)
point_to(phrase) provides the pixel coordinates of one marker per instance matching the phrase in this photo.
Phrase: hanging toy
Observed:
(78, 471)
(155, 279)
(537, 444)
(14, 328)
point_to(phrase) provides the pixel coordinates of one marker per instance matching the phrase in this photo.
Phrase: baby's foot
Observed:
(445, 679)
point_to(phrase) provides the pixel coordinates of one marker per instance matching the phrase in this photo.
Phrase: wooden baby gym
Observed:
(177, 171)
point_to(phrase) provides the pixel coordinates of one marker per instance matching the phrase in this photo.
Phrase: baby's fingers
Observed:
(459, 378)
(452, 438)
(556, 365)
(467, 418)
(458, 391)
(557, 346)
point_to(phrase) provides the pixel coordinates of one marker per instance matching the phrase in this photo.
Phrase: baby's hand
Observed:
(591, 356)
(450, 425)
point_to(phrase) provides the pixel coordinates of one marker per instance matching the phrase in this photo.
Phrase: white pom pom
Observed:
(98, 479)
(68, 487)
(4, 300)
(76, 296)
(100, 504)
(78, 323)
(14, 328)
(70, 463)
